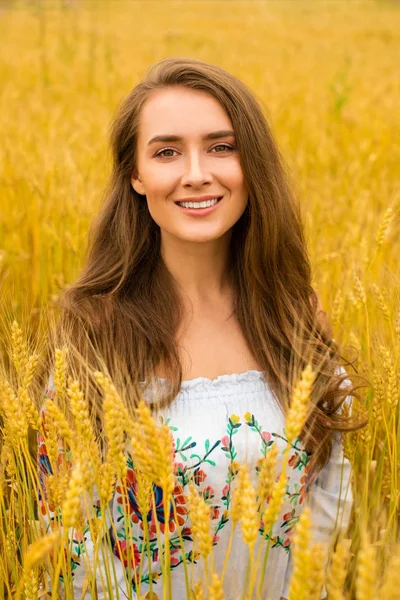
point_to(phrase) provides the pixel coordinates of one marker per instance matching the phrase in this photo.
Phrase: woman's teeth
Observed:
(205, 204)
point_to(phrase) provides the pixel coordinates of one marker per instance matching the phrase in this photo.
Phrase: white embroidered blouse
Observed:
(216, 424)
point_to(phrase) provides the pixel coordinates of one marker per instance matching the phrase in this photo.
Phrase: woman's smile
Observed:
(198, 207)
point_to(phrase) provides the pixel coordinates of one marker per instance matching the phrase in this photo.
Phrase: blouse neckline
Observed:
(220, 380)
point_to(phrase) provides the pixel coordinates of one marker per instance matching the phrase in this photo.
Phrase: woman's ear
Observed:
(137, 184)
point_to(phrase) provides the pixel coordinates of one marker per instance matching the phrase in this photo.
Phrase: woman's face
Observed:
(198, 158)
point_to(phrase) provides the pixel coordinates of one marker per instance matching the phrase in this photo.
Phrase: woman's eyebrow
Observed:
(177, 138)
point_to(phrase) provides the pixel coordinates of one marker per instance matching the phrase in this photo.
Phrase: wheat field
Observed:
(325, 74)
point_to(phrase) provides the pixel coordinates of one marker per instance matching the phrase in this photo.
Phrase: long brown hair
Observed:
(126, 301)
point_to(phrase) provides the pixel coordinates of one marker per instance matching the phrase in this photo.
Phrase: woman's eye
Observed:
(160, 153)
(224, 147)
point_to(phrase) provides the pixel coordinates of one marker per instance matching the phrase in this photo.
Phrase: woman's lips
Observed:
(200, 212)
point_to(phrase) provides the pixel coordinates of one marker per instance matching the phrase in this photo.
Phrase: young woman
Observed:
(197, 280)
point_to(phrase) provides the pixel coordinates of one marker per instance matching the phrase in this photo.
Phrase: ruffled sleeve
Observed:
(330, 499)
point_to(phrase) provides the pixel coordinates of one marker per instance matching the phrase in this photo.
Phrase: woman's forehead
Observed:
(183, 112)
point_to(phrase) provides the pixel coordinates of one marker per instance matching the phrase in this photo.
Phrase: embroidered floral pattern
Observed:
(192, 463)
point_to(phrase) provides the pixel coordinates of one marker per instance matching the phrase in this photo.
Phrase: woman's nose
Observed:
(196, 172)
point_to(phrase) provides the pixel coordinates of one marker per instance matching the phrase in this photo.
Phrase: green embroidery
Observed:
(208, 451)
(186, 445)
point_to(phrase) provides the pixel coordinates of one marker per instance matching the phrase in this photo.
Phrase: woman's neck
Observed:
(199, 269)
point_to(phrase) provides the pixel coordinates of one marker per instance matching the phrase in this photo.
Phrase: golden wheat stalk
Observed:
(113, 425)
(384, 227)
(366, 571)
(215, 590)
(107, 482)
(86, 448)
(39, 549)
(317, 572)
(379, 397)
(34, 557)
(29, 408)
(60, 373)
(299, 406)
(392, 391)
(337, 571)
(30, 369)
(200, 521)
(153, 449)
(390, 589)
(15, 420)
(396, 324)
(382, 305)
(197, 592)
(19, 350)
(72, 503)
(337, 308)
(267, 473)
(249, 517)
(31, 585)
(299, 583)
(56, 418)
(360, 298)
